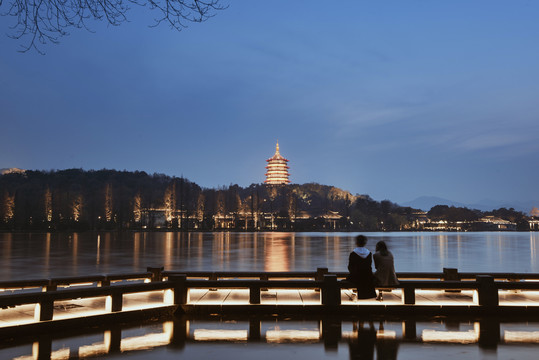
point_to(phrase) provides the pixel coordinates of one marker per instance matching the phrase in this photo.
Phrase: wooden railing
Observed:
(178, 285)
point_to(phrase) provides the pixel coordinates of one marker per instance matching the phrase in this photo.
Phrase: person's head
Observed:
(361, 240)
(381, 247)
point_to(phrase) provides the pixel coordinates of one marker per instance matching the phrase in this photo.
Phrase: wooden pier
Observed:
(38, 305)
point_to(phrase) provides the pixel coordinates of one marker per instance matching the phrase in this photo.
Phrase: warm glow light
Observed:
(9, 207)
(93, 350)
(386, 334)
(108, 303)
(62, 354)
(168, 297)
(145, 342)
(108, 202)
(77, 208)
(37, 311)
(521, 336)
(526, 298)
(461, 337)
(281, 336)
(219, 335)
(137, 208)
(48, 205)
(170, 202)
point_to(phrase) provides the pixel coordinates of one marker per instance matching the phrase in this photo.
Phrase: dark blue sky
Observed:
(395, 99)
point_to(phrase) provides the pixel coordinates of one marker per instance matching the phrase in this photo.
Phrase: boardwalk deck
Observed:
(285, 293)
(199, 298)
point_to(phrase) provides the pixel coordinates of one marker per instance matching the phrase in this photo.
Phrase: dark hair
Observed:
(361, 240)
(382, 248)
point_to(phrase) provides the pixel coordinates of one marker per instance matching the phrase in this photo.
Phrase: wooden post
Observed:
(51, 286)
(514, 280)
(42, 349)
(489, 333)
(331, 333)
(180, 288)
(408, 295)
(451, 274)
(44, 310)
(254, 294)
(264, 277)
(487, 291)
(254, 329)
(113, 339)
(156, 273)
(409, 331)
(180, 332)
(331, 292)
(320, 272)
(114, 302)
(213, 277)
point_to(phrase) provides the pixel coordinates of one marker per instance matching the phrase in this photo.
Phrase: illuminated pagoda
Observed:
(277, 169)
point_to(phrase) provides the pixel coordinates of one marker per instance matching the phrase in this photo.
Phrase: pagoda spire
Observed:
(277, 169)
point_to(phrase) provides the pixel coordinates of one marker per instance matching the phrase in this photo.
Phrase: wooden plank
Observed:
(443, 298)
(143, 300)
(348, 297)
(527, 298)
(196, 294)
(22, 314)
(392, 298)
(79, 308)
(237, 296)
(310, 297)
(214, 297)
(268, 297)
(288, 297)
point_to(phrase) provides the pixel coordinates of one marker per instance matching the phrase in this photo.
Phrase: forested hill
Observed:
(75, 199)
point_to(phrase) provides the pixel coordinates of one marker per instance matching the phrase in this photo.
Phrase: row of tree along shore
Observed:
(81, 200)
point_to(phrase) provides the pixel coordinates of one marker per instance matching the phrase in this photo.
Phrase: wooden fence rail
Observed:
(178, 284)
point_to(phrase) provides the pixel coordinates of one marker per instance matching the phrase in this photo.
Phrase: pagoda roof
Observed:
(277, 155)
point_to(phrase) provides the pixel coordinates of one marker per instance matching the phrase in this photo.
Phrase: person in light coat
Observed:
(385, 268)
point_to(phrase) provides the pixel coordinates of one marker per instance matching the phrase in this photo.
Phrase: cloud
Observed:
(488, 141)
(351, 120)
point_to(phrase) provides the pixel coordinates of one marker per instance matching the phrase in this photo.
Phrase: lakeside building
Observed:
(534, 224)
(277, 169)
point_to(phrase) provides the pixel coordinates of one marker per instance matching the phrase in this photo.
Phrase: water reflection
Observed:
(533, 248)
(368, 338)
(25, 255)
(277, 251)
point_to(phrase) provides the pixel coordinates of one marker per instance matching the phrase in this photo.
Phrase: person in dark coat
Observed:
(360, 268)
(362, 347)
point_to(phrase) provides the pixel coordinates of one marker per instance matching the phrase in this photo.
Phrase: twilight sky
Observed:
(395, 99)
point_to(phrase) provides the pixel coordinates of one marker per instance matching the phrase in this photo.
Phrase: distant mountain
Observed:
(425, 203)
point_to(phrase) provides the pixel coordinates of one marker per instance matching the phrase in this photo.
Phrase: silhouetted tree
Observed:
(43, 21)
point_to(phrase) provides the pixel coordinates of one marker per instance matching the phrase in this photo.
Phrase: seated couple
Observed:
(360, 268)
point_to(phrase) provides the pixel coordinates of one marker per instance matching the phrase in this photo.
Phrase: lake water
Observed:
(279, 338)
(26, 256)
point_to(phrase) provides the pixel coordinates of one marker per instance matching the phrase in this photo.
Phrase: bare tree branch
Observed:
(39, 22)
